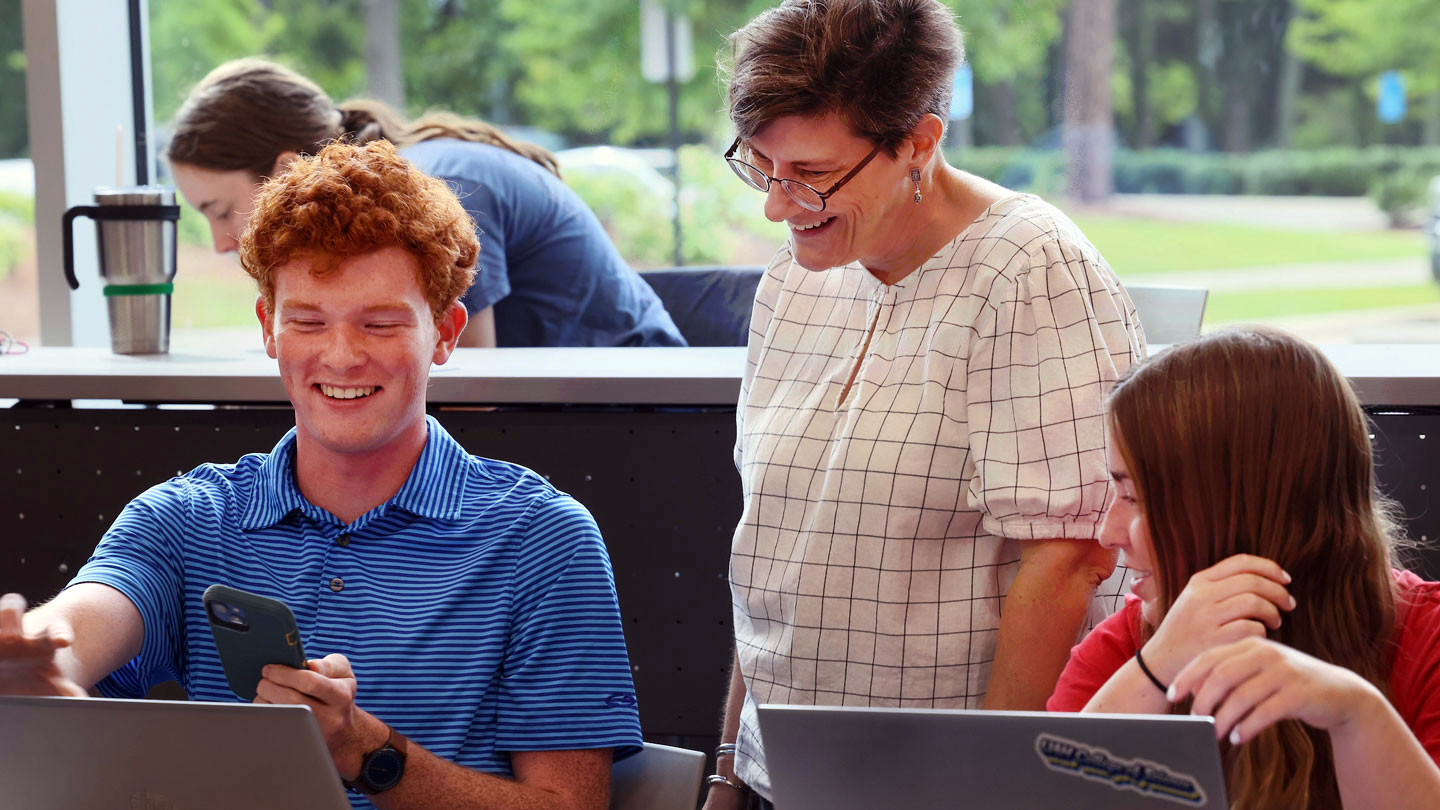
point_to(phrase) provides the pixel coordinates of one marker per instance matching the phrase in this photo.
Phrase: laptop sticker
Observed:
(1098, 765)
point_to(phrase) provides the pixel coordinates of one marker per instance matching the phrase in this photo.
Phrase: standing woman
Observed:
(547, 276)
(1268, 594)
(920, 433)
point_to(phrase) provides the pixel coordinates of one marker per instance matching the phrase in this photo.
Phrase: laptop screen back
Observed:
(90, 754)
(841, 758)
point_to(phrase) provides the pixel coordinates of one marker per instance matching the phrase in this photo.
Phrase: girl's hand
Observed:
(1252, 684)
(1237, 598)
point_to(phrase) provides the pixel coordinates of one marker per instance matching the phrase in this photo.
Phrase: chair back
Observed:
(1170, 314)
(710, 305)
(660, 777)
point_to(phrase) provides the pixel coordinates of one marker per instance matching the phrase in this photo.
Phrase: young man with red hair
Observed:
(465, 610)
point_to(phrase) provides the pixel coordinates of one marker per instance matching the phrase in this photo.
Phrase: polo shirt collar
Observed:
(435, 488)
(276, 493)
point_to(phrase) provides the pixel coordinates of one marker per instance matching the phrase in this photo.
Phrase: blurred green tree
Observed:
(1007, 44)
(1359, 39)
(14, 137)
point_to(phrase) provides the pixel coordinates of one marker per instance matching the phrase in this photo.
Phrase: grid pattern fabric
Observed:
(881, 520)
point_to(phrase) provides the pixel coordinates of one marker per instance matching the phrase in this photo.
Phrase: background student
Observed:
(547, 276)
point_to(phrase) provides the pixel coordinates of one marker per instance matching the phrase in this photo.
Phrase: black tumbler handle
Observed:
(130, 212)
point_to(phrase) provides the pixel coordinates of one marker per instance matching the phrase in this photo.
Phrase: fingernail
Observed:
(1293, 603)
(1170, 693)
(1287, 576)
(1235, 736)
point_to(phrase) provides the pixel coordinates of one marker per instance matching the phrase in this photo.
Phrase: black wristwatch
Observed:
(382, 768)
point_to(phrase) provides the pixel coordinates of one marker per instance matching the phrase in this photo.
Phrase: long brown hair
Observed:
(246, 112)
(1249, 441)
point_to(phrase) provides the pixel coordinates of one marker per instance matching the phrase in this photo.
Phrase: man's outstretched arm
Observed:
(69, 644)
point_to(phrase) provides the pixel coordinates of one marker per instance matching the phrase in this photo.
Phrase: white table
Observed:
(1398, 375)
(632, 376)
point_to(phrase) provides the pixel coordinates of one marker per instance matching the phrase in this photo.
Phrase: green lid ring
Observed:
(112, 290)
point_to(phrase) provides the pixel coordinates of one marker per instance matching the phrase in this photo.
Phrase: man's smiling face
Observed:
(355, 348)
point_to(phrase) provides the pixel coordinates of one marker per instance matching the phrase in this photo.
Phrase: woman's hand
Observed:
(1237, 598)
(724, 797)
(1250, 685)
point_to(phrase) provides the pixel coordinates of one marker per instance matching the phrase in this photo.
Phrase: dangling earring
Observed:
(915, 178)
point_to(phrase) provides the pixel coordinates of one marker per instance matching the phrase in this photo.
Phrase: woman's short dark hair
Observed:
(880, 64)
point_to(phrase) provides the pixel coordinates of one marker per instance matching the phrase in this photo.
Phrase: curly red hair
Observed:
(352, 200)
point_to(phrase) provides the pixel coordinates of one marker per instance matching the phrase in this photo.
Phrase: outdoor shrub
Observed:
(17, 215)
(1401, 196)
(13, 245)
(716, 209)
(17, 206)
(1332, 172)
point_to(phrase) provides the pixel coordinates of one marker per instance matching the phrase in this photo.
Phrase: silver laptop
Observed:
(834, 758)
(96, 754)
(1169, 313)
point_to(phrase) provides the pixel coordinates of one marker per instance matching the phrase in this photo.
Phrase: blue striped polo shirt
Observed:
(477, 606)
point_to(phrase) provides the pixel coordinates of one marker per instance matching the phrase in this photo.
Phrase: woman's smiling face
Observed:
(860, 221)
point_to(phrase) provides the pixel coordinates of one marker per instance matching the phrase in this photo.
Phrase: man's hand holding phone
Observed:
(28, 662)
(327, 686)
(259, 646)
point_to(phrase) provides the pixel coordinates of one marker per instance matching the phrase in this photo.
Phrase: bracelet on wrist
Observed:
(1164, 690)
(726, 750)
(717, 779)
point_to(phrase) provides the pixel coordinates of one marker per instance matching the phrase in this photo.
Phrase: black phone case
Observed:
(272, 638)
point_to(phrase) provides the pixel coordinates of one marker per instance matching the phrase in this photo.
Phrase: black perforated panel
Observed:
(661, 485)
(1407, 458)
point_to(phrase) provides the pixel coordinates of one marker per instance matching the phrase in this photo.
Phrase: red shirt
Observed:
(1414, 674)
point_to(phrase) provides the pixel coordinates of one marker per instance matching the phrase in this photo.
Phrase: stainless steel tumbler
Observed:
(136, 230)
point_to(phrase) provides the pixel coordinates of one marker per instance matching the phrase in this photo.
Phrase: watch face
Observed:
(384, 768)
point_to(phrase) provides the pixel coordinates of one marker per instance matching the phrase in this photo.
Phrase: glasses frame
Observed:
(786, 183)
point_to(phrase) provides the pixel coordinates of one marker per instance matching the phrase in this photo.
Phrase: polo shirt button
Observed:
(337, 584)
(343, 540)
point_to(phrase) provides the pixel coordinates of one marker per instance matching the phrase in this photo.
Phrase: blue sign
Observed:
(962, 98)
(1390, 101)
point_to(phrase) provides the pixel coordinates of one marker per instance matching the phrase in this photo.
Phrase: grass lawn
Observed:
(1134, 245)
(1258, 305)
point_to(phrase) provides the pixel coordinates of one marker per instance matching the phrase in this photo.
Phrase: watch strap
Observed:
(396, 742)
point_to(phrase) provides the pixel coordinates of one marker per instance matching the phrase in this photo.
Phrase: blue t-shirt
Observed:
(546, 265)
(477, 606)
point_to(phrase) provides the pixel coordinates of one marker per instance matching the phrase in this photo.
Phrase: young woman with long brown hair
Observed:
(1267, 591)
(547, 276)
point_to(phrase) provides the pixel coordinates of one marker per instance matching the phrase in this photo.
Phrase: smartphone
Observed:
(251, 631)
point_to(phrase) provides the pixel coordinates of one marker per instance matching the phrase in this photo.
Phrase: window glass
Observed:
(19, 293)
(1276, 152)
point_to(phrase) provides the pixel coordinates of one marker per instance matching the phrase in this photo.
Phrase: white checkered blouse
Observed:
(879, 531)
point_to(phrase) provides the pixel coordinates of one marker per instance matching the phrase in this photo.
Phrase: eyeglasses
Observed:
(806, 196)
